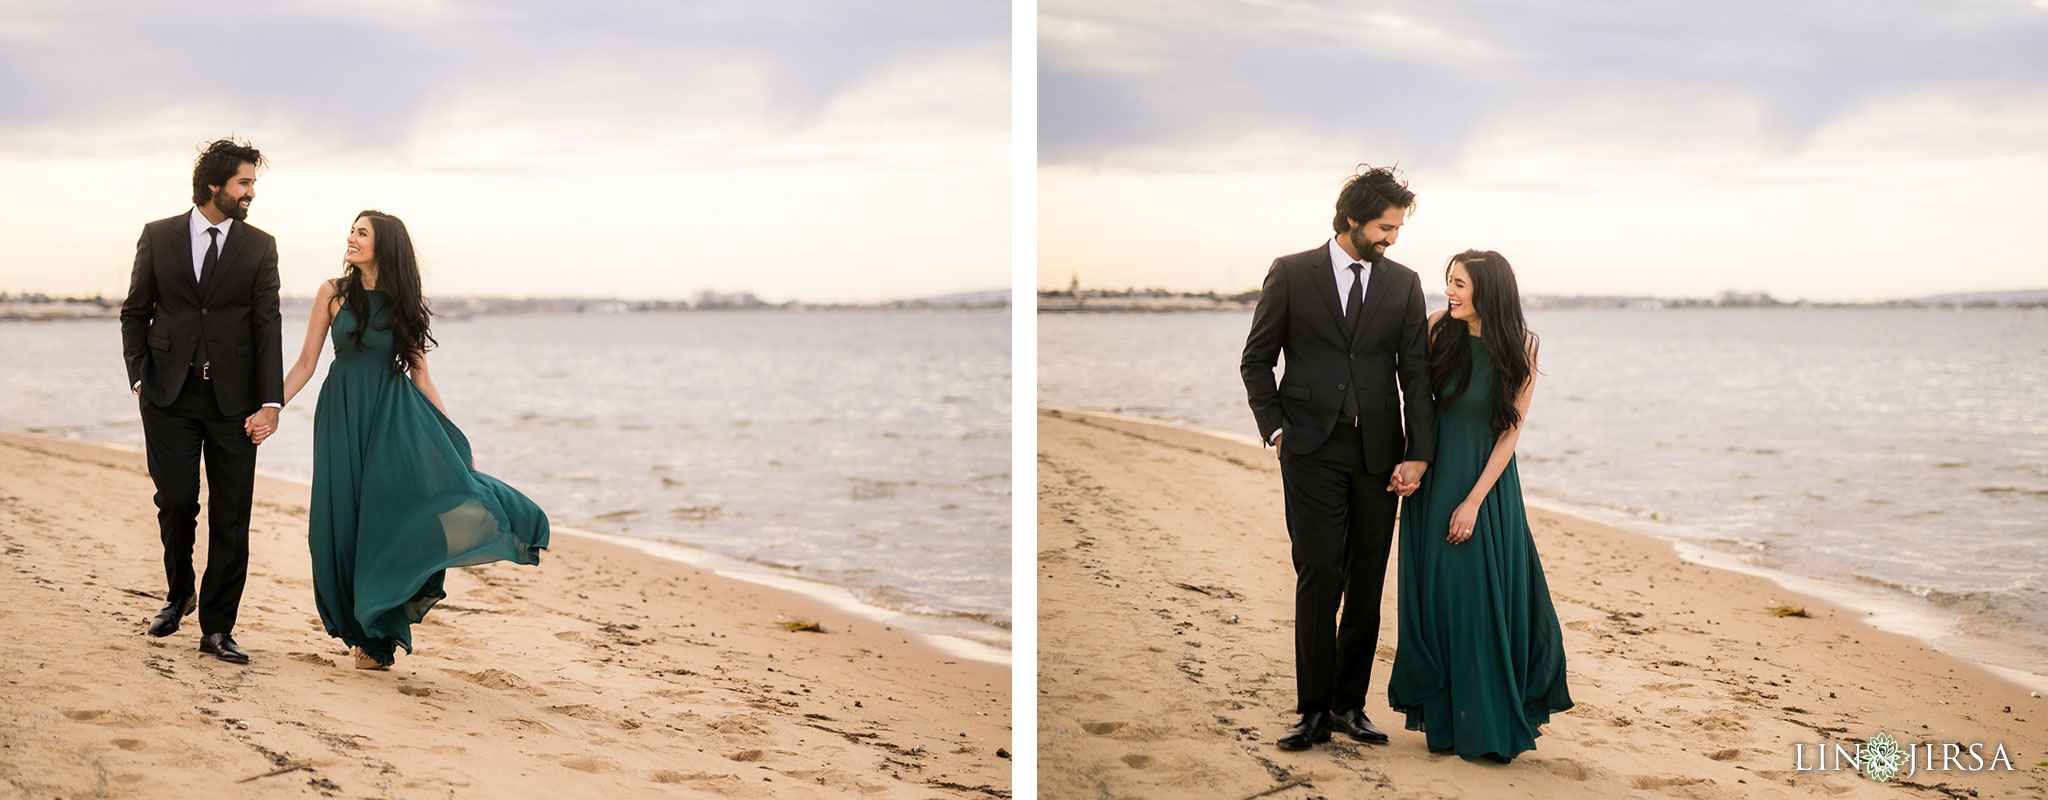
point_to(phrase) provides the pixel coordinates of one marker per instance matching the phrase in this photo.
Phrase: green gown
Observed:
(394, 499)
(1479, 658)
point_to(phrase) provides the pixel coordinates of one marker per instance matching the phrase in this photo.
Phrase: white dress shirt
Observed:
(1340, 267)
(200, 240)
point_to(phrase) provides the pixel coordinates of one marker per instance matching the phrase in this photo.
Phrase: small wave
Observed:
(910, 603)
(696, 513)
(552, 421)
(2022, 602)
(2014, 491)
(868, 489)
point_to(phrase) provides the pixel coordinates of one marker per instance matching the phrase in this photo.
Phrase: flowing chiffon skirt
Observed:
(395, 502)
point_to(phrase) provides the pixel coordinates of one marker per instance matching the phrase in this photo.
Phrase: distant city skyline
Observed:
(1833, 152)
(802, 150)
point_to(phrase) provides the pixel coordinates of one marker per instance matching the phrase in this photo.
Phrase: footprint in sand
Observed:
(1721, 724)
(580, 711)
(1567, 768)
(723, 785)
(517, 723)
(1137, 761)
(591, 764)
(745, 755)
(415, 691)
(498, 679)
(847, 783)
(85, 714)
(1102, 728)
(1664, 781)
(129, 744)
(742, 724)
(311, 658)
(1729, 754)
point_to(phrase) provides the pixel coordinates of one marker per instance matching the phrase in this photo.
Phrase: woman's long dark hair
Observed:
(398, 277)
(1508, 340)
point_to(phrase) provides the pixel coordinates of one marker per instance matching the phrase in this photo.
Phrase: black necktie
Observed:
(212, 252)
(1357, 297)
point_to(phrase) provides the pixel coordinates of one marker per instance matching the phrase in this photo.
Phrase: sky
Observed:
(1828, 150)
(805, 149)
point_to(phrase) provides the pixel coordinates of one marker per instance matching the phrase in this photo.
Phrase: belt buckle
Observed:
(206, 371)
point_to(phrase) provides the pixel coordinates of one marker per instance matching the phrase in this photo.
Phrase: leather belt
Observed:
(201, 370)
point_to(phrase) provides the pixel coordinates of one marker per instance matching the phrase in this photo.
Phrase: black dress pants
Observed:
(176, 438)
(1340, 518)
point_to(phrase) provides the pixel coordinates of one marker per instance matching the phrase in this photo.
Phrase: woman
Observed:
(395, 498)
(1480, 658)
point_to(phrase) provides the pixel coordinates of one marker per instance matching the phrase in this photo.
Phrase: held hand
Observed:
(261, 424)
(1462, 520)
(1276, 443)
(1407, 477)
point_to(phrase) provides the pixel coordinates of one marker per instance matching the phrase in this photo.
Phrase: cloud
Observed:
(377, 79)
(1183, 86)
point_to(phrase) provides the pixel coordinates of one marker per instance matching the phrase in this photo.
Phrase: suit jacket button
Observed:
(192, 338)
(202, 312)
(1340, 387)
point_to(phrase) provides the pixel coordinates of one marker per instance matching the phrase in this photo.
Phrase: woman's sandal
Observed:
(364, 661)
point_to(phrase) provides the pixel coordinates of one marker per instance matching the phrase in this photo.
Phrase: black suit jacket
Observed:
(1299, 314)
(234, 310)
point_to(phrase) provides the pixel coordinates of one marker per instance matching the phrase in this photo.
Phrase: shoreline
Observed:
(956, 636)
(1166, 667)
(601, 672)
(1888, 611)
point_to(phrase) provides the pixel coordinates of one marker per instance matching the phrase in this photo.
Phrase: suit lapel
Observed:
(181, 241)
(1326, 285)
(1375, 290)
(230, 254)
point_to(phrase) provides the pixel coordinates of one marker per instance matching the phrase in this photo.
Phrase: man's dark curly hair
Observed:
(1369, 194)
(217, 163)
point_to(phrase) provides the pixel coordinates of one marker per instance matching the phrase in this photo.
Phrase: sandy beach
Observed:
(602, 673)
(1166, 657)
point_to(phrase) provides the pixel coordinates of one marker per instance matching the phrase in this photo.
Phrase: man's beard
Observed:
(232, 208)
(1366, 252)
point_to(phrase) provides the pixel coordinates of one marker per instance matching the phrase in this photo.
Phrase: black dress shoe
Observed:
(222, 646)
(1354, 724)
(166, 621)
(1313, 727)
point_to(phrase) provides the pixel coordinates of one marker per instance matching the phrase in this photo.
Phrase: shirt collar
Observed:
(1342, 261)
(199, 225)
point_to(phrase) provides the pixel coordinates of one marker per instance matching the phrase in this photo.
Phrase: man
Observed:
(1351, 325)
(200, 332)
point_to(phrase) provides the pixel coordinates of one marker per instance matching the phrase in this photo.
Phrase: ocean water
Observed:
(1892, 456)
(866, 449)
